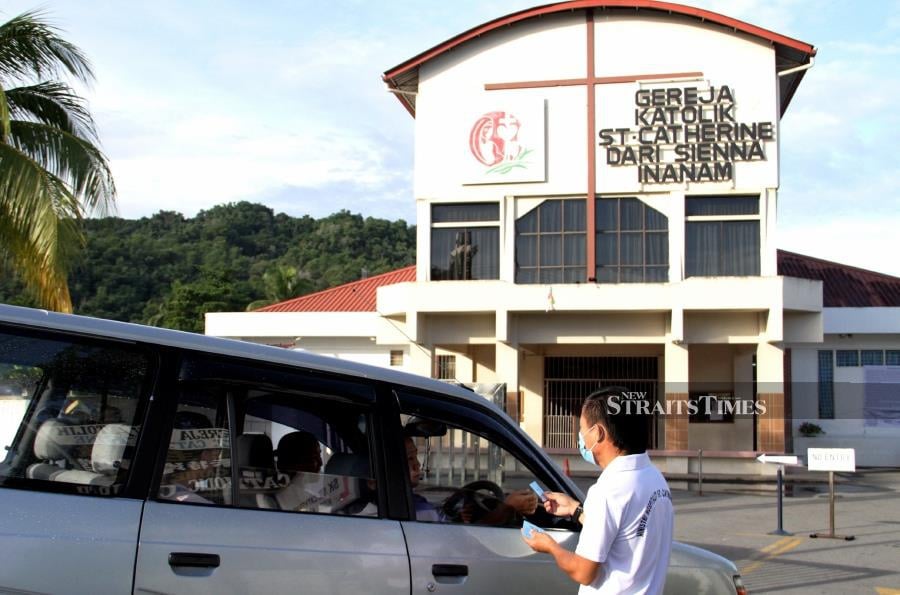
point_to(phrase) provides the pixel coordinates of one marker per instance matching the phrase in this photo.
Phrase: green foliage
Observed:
(281, 283)
(810, 429)
(18, 380)
(185, 305)
(169, 270)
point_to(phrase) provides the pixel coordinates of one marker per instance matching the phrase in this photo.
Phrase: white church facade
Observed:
(596, 188)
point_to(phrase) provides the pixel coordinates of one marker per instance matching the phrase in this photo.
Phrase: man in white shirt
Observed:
(627, 517)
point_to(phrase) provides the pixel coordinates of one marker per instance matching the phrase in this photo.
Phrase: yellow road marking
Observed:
(777, 544)
(887, 591)
(795, 541)
(783, 545)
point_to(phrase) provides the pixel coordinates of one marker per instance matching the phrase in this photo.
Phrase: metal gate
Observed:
(459, 457)
(568, 380)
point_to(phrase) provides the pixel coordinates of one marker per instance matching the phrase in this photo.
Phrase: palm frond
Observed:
(34, 198)
(55, 104)
(74, 160)
(4, 116)
(38, 225)
(31, 48)
(51, 172)
(44, 276)
(257, 304)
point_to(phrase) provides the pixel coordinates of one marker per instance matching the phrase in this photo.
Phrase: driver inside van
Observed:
(344, 488)
(522, 502)
(300, 460)
(299, 452)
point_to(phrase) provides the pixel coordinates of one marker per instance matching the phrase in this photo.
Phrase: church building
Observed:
(596, 189)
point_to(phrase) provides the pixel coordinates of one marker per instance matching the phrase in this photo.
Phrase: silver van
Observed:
(142, 460)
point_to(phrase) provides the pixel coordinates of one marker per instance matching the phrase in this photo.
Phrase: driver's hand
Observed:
(559, 504)
(467, 514)
(523, 501)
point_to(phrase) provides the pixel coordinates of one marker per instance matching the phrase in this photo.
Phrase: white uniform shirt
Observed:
(628, 528)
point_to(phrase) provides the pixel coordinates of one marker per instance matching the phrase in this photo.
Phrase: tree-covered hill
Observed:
(168, 270)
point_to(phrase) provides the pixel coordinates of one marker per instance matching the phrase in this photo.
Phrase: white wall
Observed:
(591, 328)
(875, 445)
(877, 321)
(364, 351)
(460, 329)
(722, 327)
(647, 44)
(452, 96)
(802, 327)
(290, 325)
(729, 294)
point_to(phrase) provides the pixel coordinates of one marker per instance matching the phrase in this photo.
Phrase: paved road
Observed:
(737, 526)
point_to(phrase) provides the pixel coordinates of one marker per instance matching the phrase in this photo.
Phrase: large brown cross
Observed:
(590, 81)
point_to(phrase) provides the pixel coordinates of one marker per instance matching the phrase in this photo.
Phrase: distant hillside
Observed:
(168, 270)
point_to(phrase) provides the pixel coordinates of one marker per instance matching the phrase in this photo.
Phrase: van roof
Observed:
(126, 331)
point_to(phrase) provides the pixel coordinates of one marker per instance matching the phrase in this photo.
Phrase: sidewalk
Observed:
(737, 526)
(867, 507)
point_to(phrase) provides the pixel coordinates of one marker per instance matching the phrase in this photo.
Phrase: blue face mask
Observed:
(586, 453)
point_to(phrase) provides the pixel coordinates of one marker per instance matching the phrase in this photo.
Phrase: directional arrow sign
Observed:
(779, 459)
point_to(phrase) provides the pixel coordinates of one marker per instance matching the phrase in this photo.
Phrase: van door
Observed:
(271, 482)
(72, 410)
(470, 494)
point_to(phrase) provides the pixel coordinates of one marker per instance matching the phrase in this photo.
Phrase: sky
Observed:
(281, 102)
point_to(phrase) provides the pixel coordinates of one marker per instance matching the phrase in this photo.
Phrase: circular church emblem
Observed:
(494, 142)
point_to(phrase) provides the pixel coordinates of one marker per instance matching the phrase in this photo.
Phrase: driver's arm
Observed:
(523, 502)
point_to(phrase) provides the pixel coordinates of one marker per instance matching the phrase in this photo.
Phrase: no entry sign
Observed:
(831, 459)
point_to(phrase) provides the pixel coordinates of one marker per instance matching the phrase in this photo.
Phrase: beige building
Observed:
(597, 194)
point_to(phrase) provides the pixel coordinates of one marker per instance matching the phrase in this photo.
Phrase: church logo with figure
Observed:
(503, 142)
(495, 141)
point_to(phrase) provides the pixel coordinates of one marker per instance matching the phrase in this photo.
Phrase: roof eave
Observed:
(779, 41)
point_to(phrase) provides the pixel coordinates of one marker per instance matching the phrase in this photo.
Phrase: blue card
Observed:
(529, 529)
(537, 489)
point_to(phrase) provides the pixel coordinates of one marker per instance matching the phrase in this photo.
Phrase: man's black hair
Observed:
(628, 429)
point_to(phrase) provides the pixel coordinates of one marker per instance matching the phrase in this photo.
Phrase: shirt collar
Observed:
(628, 462)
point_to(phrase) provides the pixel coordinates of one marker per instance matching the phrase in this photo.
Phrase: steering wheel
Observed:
(478, 498)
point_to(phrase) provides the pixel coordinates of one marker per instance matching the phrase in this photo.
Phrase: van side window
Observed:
(464, 469)
(302, 449)
(70, 411)
(198, 462)
(460, 477)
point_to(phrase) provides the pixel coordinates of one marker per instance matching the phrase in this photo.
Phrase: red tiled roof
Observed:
(843, 286)
(357, 296)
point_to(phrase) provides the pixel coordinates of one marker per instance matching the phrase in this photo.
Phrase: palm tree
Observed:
(282, 282)
(52, 175)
